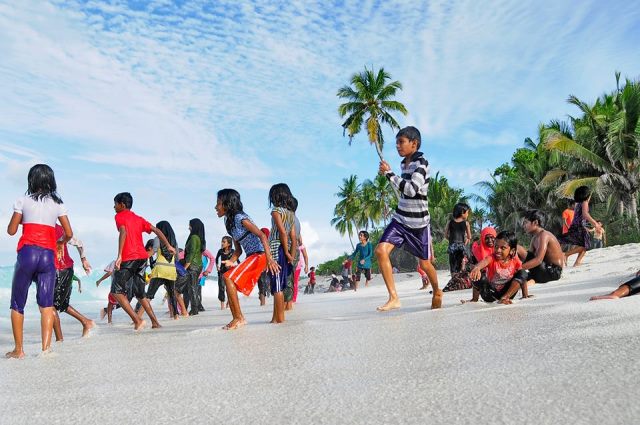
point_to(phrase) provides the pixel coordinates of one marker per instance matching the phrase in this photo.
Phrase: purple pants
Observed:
(415, 241)
(35, 264)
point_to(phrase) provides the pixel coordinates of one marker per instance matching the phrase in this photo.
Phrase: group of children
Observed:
(501, 267)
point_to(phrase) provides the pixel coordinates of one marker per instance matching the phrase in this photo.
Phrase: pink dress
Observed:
(296, 274)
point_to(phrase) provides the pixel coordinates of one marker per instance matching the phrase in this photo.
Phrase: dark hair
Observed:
(571, 203)
(228, 239)
(280, 196)
(410, 133)
(124, 198)
(582, 194)
(148, 245)
(230, 200)
(168, 232)
(41, 182)
(294, 204)
(534, 215)
(510, 237)
(459, 209)
(365, 233)
(197, 229)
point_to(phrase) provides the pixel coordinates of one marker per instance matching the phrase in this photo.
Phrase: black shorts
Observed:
(634, 285)
(367, 274)
(543, 272)
(130, 277)
(62, 293)
(489, 294)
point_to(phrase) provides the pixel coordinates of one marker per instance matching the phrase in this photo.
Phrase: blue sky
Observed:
(173, 101)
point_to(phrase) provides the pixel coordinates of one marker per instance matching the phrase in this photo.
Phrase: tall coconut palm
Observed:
(378, 199)
(346, 211)
(370, 102)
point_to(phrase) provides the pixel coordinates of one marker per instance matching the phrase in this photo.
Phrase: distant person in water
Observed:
(544, 259)
(630, 287)
(504, 275)
(37, 211)
(410, 224)
(224, 254)
(577, 235)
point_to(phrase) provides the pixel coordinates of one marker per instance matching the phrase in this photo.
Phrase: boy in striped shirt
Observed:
(410, 224)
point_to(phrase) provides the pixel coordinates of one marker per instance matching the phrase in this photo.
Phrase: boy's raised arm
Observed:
(163, 239)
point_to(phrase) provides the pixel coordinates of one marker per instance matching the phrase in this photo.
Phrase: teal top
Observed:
(365, 252)
(193, 251)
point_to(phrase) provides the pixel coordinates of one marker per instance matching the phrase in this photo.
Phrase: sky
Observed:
(175, 100)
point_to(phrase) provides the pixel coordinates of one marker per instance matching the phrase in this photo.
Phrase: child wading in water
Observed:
(38, 212)
(224, 254)
(246, 236)
(458, 233)
(132, 258)
(283, 243)
(577, 234)
(409, 227)
(504, 274)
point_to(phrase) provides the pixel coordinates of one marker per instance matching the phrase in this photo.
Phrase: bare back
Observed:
(553, 252)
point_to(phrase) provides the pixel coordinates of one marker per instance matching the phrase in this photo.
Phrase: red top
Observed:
(134, 225)
(66, 261)
(567, 217)
(312, 277)
(500, 274)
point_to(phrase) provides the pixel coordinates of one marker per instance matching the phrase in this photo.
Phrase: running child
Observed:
(246, 238)
(283, 245)
(64, 280)
(112, 304)
(224, 253)
(132, 258)
(38, 212)
(458, 233)
(577, 235)
(504, 274)
(410, 224)
(364, 250)
(312, 281)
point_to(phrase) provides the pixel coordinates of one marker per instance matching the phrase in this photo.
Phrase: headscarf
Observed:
(167, 230)
(480, 249)
(197, 229)
(265, 231)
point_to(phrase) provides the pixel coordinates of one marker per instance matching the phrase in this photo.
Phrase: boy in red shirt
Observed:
(132, 258)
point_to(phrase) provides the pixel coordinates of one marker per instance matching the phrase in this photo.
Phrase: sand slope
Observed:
(552, 359)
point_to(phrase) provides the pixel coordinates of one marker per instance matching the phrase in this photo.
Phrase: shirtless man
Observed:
(545, 258)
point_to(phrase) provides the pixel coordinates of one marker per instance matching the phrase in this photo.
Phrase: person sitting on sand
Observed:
(630, 287)
(545, 258)
(504, 272)
(410, 224)
(483, 248)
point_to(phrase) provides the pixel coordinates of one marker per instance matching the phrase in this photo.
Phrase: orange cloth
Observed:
(567, 217)
(479, 249)
(245, 276)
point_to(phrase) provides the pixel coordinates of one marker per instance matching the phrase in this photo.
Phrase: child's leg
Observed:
(581, 253)
(180, 301)
(109, 313)
(126, 306)
(278, 307)
(234, 305)
(57, 329)
(514, 287)
(620, 292)
(432, 275)
(383, 250)
(87, 324)
(17, 324)
(149, 310)
(46, 326)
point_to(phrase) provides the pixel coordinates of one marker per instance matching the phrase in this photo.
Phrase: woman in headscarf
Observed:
(164, 270)
(195, 246)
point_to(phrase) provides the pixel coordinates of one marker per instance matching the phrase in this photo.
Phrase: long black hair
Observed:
(41, 182)
(280, 196)
(197, 229)
(230, 200)
(166, 228)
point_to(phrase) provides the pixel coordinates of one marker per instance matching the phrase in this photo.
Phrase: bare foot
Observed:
(505, 301)
(423, 287)
(468, 301)
(140, 326)
(392, 304)
(15, 354)
(528, 296)
(234, 324)
(604, 297)
(436, 301)
(87, 326)
(156, 325)
(576, 264)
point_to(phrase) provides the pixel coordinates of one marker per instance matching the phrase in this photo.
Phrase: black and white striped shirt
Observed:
(413, 183)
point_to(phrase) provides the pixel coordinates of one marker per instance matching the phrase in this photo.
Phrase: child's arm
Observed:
(218, 255)
(587, 216)
(543, 244)
(294, 244)
(446, 230)
(99, 281)
(163, 239)
(408, 187)
(476, 273)
(468, 235)
(14, 223)
(121, 238)
(77, 279)
(306, 260)
(271, 263)
(284, 237)
(80, 247)
(208, 254)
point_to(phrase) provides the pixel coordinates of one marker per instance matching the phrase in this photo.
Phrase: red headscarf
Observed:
(480, 249)
(265, 231)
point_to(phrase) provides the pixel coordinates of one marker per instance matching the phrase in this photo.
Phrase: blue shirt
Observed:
(249, 242)
(365, 253)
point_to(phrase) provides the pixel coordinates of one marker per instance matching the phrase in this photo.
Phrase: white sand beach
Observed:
(552, 359)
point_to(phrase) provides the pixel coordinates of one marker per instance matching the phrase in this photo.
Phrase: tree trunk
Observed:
(634, 209)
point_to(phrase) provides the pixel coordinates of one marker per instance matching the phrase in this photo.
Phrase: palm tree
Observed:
(378, 199)
(345, 218)
(369, 101)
